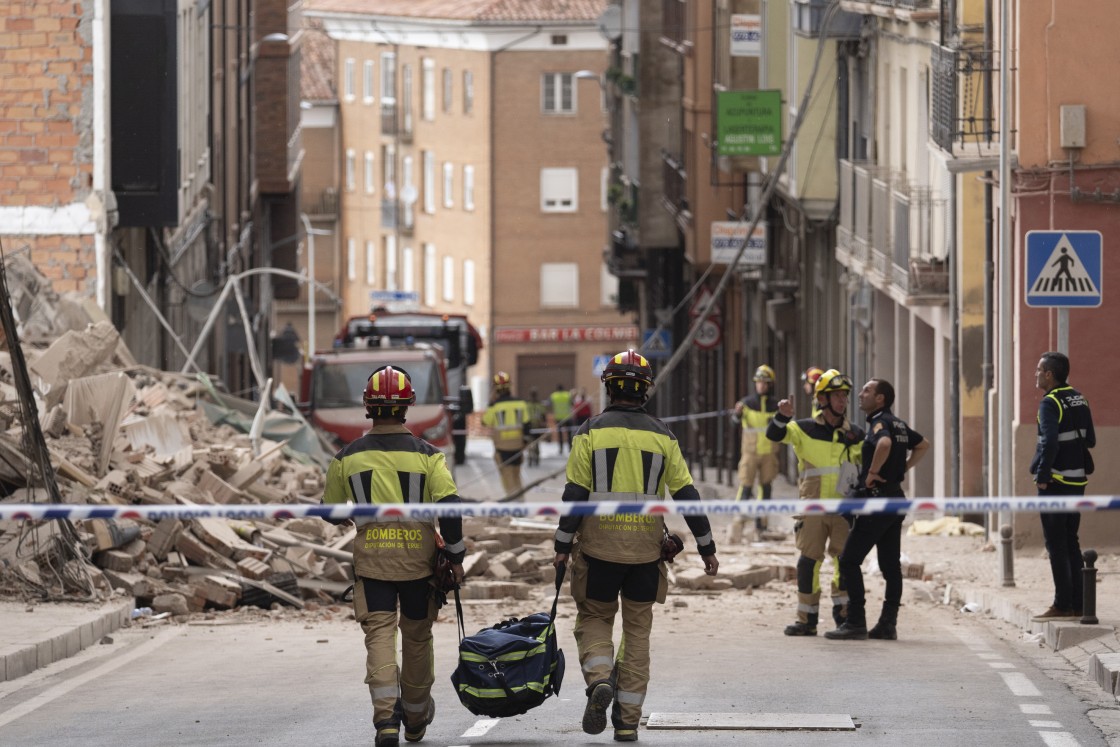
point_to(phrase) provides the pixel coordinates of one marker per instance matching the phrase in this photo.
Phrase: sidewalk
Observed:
(966, 571)
(38, 634)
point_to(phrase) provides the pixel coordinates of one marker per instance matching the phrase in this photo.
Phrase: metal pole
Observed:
(214, 313)
(309, 348)
(1063, 331)
(1089, 594)
(258, 373)
(1006, 292)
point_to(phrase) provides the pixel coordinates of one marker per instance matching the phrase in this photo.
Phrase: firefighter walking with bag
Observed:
(395, 558)
(623, 454)
(828, 459)
(509, 423)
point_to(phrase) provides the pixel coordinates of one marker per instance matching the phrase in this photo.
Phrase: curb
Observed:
(54, 643)
(1094, 649)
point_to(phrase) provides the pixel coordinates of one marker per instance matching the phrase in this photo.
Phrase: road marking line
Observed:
(481, 727)
(1019, 685)
(52, 693)
(989, 656)
(1038, 709)
(1059, 739)
(1045, 724)
(1001, 665)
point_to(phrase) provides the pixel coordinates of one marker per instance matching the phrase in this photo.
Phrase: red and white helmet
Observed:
(389, 387)
(629, 365)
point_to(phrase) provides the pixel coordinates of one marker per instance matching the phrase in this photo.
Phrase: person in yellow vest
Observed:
(561, 401)
(395, 558)
(508, 420)
(808, 383)
(623, 454)
(828, 449)
(758, 457)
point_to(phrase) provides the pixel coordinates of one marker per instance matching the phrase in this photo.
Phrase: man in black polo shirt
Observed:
(890, 448)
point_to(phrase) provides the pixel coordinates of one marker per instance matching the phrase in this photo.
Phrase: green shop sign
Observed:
(749, 123)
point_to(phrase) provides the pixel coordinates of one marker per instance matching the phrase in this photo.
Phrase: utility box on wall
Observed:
(143, 111)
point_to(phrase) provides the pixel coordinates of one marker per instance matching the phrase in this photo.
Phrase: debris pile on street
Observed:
(119, 433)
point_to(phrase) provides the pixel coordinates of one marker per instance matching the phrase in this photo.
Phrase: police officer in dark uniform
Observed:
(1061, 466)
(890, 448)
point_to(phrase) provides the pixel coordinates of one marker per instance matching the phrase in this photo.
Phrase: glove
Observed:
(671, 547)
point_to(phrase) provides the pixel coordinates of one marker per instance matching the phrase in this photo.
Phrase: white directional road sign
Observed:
(1064, 268)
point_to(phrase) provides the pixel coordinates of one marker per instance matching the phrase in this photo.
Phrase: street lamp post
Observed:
(309, 349)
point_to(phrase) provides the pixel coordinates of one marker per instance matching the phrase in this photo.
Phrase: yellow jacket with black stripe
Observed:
(389, 465)
(756, 414)
(508, 421)
(624, 454)
(822, 451)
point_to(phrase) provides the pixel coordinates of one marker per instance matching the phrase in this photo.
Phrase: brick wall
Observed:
(46, 125)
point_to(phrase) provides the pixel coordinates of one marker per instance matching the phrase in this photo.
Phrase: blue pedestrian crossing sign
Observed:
(1064, 268)
(657, 343)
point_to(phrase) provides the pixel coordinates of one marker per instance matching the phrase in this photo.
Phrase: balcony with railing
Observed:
(323, 204)
(903, 10)
(390, 211)
(389, 124)
(673, 17)
(957, 117)
(675, 186)
(887, 234)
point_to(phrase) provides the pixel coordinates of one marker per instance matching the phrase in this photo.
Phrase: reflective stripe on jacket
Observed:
(1065, 430)
(625, 455)
(821, 451)
(389, 465)
(757, 411)
(507, 418)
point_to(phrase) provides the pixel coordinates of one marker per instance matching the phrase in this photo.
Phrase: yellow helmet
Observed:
(764, 373)
(832, 381)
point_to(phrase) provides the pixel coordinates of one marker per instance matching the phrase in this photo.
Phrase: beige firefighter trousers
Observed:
(814, 535)
(412, 681)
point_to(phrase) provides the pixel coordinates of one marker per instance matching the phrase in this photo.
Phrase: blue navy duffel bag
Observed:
(512, 667)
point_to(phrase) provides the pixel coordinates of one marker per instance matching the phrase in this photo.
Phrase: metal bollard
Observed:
(1005, 533)
(1089, 592)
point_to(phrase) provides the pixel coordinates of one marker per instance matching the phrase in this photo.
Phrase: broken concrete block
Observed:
(176, 604)
(693, 578)
(750, 577)
(134, 584)
(253, 568)
(164, 536)
(494, 590)
(200, 553)
(499, 572)
(221, 490)
(526, 561)
(217, 590)
(114, 560)
(475, 564)
(491, 546)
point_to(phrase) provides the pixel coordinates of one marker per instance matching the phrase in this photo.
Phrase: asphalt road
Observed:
(296, 679)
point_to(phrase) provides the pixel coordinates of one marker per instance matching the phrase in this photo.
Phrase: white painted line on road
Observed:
(1001, 665)
(1037, 709)
(1045, 724)
(481, 727)
(989, 656)
(1059, 739)
(1019, 685)
(52, 693)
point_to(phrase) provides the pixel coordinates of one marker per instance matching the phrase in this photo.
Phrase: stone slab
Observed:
(1105, 669)
(1062, 635)
(752, 721)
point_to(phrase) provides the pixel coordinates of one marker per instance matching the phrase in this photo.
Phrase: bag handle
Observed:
(462, 627)
(559, 582)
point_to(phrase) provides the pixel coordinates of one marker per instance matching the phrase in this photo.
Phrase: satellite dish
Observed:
(610, 23)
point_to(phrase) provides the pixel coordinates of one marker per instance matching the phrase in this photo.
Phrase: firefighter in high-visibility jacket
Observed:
(509, 423)
(395, 558)
(809, 384)
(758, 456)
(623, 454)
(828, 459)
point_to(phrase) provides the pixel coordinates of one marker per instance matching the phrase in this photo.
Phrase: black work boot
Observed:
(800, 629)
(849, 631)
(600, 695)
(839, 614)
(883, 632)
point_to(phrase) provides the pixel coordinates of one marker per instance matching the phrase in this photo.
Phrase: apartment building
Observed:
(471, 180)
(131, 167)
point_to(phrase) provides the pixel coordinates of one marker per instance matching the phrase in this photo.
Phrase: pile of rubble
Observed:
(119, 433)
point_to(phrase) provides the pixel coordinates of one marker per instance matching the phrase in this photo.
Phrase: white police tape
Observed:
(428, 511)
